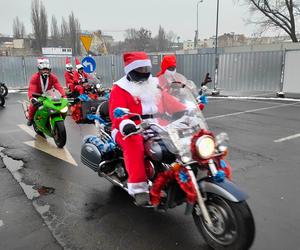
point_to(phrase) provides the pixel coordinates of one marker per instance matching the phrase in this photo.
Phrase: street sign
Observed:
(86, 42)
(52, 51)
(89, 64)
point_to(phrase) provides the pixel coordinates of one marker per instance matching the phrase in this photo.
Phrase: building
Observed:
(189, 44)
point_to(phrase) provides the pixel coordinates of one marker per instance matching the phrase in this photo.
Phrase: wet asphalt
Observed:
(67, 206)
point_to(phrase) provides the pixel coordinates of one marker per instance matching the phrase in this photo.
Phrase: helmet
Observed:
(43, 63)
(79, 66)
(69, 67)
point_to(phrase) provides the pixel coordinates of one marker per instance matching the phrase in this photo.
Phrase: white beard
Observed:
(147, 91)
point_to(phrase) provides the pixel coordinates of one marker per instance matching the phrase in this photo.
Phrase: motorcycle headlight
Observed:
(98, 86)
(205, 146)
(64, 110)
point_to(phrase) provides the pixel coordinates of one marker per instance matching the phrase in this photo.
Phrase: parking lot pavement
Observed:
(88, 213)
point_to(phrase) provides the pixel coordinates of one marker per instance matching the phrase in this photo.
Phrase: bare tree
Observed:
(278, 14)
(74, 31)
(39, 23)
(18, 28)
(55, 34)
(138, 39)
(64, 31)
(162, 41)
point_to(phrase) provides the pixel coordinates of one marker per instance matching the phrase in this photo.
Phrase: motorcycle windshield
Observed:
(183, 117)
(53, 94)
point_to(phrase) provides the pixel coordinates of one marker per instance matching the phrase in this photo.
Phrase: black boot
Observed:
(29, 123)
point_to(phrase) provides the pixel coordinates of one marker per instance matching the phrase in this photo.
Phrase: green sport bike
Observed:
(50, 115)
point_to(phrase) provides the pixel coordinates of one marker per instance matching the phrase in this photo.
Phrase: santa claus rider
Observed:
(69, 75)
(137, 91)
(40, 82)
(80, 77)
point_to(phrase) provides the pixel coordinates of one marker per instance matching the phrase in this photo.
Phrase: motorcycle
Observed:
(185, 163)
(50, 115)
(86, 104)
(3, 89)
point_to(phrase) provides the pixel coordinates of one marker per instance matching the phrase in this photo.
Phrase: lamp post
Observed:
(197, 30)
(215, 91)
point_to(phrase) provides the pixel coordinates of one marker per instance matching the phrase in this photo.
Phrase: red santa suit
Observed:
(69, 75)
(140, 99)
(37, 85)
(69, 78)
(79, 78)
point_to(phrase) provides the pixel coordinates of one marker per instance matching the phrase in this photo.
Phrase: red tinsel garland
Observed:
(76, 112)
(173, 174)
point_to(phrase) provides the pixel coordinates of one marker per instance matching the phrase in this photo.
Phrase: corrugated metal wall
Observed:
(237, 71)
(250, 71)
(194, 67)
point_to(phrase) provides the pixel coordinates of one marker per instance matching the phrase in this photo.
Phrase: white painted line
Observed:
(254, 98)
(27, 130)
(287, 138)
(250, 111)
(48, 147)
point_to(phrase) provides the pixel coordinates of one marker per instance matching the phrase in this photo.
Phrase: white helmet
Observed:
(79, 66)
(69, 67)
(43, 63)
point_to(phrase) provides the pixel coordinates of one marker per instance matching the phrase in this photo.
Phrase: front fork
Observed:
(200, 199)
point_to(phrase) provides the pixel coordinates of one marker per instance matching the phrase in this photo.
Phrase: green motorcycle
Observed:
(50, 115)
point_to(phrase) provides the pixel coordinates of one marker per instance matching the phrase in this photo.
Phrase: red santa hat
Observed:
(78, 64)
(134, 60)
(68, 63)
(167, 62)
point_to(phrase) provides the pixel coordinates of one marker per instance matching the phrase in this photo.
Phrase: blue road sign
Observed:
(89, 64)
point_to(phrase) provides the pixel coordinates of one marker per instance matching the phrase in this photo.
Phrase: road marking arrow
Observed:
(48, 147)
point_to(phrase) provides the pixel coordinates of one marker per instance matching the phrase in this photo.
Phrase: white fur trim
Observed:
(137, 64)
(124, 123)
(149, 105)
(79, 66)
(114, 134)
(139, 187)
(44, 88)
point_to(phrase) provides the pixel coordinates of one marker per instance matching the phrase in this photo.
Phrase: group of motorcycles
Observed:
(186, 162)
(3, 94)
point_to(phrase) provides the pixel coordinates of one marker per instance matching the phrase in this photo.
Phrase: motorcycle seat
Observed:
(104, 110)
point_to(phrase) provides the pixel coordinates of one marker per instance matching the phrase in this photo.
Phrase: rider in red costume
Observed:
(69, 75)
(138, 92)
(80, 77)
(40, 82)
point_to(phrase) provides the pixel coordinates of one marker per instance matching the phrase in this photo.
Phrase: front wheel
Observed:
(3, 90)
(2, 101)
(60, 136)
(233, 224)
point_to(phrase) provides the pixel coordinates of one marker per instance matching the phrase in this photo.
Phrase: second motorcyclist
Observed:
(40, 82)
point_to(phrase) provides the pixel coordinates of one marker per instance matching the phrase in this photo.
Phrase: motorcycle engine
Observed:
(156, 149)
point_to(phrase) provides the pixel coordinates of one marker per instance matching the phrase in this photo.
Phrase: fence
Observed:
(259, 71)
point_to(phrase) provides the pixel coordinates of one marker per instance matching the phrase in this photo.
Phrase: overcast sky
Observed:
(178, 16)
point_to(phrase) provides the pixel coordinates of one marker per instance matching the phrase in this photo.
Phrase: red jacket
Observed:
(69, 78)
(79, 78)
(35, 85)
(120, 98)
